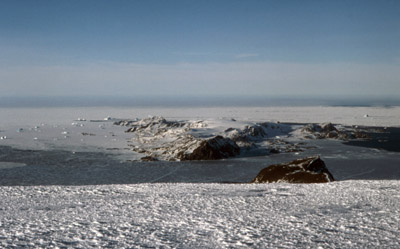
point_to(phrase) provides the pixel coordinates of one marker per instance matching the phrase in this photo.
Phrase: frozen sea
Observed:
(62, 189)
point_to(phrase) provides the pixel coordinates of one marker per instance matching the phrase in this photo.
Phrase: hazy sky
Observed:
(193, 47)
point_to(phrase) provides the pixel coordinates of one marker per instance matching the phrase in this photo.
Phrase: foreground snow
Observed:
(347, 214)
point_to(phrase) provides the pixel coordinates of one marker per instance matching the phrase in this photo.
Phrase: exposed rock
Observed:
(148, 159)
(256, 132)
(307, 170)
(328, 130)
(213, 149)
(361, 135)
(311, 128)
(87, 134)
(328, 127)
(125, 122)
(259, 138)
(274, 151)
(322, 128)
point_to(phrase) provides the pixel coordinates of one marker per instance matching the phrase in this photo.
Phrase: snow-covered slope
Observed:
(347, 214)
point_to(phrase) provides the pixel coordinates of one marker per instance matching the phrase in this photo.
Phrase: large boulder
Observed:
(213, 149)
(306, 170)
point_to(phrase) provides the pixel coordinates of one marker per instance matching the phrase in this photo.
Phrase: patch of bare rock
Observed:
(306, 170)
(328, 130)
(212, 149)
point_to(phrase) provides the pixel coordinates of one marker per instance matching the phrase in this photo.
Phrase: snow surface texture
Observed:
(348, 214)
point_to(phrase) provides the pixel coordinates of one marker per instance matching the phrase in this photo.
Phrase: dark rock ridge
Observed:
(250, 137)
(212, 149)
(249, 133)
(328, 130)
(148, 159)
(306, 170)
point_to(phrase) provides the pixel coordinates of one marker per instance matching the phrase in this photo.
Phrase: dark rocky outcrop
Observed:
(306, 170)
(328, 127)
(148, 159)
(251, 133)
(87, 134)
(325, 130)
(328, 130)
(213, 149)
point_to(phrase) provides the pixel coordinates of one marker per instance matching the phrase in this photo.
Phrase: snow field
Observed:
(347, 214)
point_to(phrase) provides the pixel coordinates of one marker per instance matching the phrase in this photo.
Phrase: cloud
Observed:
(251, 78)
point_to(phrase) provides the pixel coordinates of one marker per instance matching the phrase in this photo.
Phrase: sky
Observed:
(176, 48)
